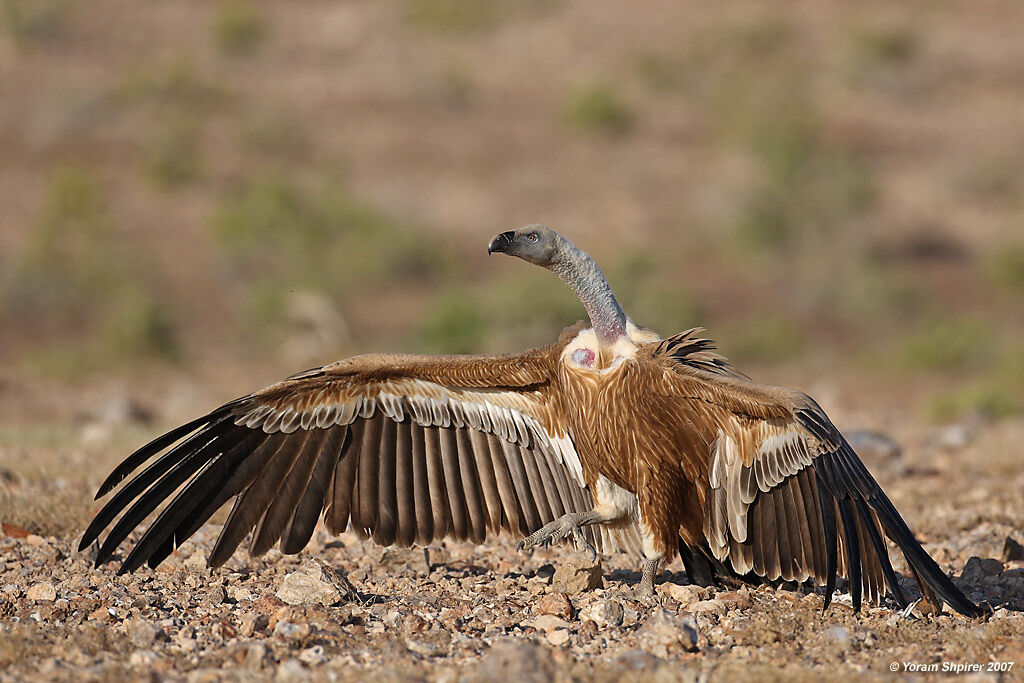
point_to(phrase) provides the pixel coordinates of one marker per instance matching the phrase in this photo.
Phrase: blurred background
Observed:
(225, 192)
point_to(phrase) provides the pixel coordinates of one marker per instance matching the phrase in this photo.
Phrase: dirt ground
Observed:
(475, 613)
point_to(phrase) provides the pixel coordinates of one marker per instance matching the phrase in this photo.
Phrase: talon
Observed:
(583, 544)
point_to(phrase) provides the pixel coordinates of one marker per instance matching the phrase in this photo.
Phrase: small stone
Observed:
(575, 578)
(215, 596)
(142, 658)
(434, 643)
(956, 437)
(196, 560)
(840, 635)
(558, 637)
(414, 623)
(247, 625)
(255, 654)
(239, 594)
(976, 568)
(637, 660)
(548, 622)
(312, 655)
(872, 444)
(741, 599)
(708, 606)
(604, 613)
(42, 592)
(684, 595)
(1012, 551)
(291, 670)
(290, 631)
(516, 660)
(185, 638)
(13, 530)
(587, 630)
(556, 604)
(101, 614)
(34, 540)
(141, 633)
(268, 603)
(673, 632)
(307, 586)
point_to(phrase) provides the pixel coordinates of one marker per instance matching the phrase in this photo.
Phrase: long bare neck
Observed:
(585, 277)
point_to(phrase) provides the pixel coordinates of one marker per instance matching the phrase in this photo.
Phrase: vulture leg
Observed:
(647, 578)
(567, 525)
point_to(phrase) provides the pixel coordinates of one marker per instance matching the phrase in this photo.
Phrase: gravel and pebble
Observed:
(478, 612)
(345, 609)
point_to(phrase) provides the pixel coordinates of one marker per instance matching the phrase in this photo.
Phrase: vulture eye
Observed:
(532, 236)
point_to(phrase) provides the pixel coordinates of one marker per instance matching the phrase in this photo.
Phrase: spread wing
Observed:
(786, 496)
(405, 448)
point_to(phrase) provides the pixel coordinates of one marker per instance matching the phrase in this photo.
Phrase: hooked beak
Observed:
(501, 242)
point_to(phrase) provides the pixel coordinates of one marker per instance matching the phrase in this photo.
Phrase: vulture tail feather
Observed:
(882, 553)
(922, 563)
(852, 547)
(828, 520)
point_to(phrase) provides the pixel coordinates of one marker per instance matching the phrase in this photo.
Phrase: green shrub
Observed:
(883, 45)
(170, 84)
(281, 234)
(1004, 267)
(597, 108)
(77, 279)
(171, 155)
(453, 324)
(239, 29)
(35, 21)
(454, 16)
(995, 177)
(646, 289)
(948, 344)
(764, 338)
(277, 135)
(664, 73)
(991, 398)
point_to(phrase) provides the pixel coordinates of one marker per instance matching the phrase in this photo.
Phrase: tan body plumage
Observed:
(611, 436)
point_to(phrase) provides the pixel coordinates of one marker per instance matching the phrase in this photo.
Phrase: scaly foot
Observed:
(563, 527)
(645, 592)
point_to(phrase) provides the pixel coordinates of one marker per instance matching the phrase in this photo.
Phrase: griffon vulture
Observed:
(612, 437)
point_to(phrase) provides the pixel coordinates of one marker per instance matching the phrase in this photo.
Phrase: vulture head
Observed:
(537, 244)
(540, 245)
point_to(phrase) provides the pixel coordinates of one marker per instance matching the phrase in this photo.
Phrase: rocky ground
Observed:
(345, 609)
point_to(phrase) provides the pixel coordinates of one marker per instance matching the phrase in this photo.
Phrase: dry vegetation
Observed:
(199, 197)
